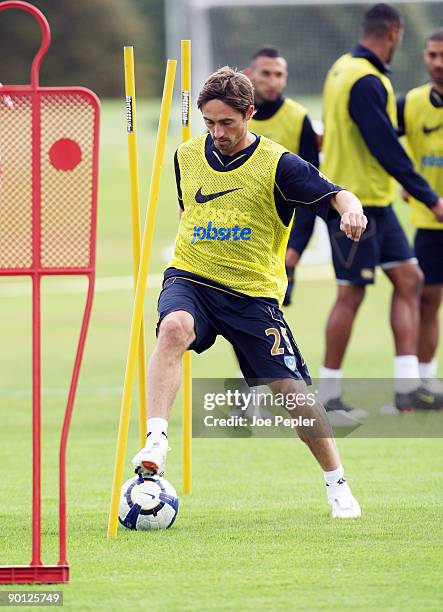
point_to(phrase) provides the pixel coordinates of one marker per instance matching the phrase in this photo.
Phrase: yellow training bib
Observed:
(230, 230)
(347, 160)
(284, 127)
(424, 133)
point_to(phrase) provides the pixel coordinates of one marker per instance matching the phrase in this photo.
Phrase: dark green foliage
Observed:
(312, 37)
(87, 44)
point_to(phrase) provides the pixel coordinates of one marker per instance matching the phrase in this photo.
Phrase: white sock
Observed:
(157, 429)
(332, 478)
(428, 370)
(329, 384)
(336, 482)
(406, 373)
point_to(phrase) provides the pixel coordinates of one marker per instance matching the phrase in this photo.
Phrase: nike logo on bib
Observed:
(429, 130)
(200, 198)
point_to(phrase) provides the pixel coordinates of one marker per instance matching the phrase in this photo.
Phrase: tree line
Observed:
(87, 44)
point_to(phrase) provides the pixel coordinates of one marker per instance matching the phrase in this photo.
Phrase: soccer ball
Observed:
(148, 502)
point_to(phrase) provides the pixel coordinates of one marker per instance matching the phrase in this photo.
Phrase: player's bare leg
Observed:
(320, 440)
(340, 322)
(407, 280)
(338, 334)
(429, 322)
(175, 335)
(430, 302)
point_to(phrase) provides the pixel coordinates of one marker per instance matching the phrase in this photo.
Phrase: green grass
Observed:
(255, 534)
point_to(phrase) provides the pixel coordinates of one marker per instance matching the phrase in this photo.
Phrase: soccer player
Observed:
(362, 152)
(420, 115)
(285, 121)
(227, 275)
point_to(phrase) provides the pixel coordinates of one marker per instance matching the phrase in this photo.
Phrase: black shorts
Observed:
(264, 345)
(383, 244)
(429, 251)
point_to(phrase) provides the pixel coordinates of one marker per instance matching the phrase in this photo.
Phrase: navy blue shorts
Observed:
(383, 244)
(264, 345)
(302, 228)
(429, 251)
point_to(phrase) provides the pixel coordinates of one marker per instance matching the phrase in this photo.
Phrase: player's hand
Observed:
(437, 209)
(291, 258)
(405, 195)
(353, 224)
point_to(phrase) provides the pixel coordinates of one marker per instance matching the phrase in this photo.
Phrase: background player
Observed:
(227, 276)
(362, 152)
(285, 121)
(420, 115)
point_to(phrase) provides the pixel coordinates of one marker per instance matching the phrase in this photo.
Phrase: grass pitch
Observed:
(256, 532)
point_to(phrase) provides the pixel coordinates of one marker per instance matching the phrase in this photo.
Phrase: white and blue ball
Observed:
(148, 503)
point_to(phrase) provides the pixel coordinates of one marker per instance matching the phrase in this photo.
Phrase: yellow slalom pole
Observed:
(140, 291)
(187, 357)
(131, 128)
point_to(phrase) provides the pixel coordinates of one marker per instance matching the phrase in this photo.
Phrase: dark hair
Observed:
(379, 19)
(436, 36)
(266, 52)
(231, 87)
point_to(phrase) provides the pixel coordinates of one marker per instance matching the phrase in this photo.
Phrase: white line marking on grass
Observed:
(105, 284)
(63, 392)
(65, 285)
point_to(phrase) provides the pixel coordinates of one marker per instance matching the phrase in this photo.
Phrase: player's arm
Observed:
(178, 185)
(301, 232)
(304, 220)
(401, 127)
(308, 148)
(381, 139)
(353, 221)
(401, 131)
(298, 183)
